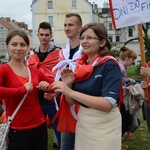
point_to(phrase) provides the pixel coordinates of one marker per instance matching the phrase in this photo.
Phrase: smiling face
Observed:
(91, 43)
(17, 48)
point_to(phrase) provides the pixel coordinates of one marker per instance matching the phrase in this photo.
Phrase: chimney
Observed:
(8, 19)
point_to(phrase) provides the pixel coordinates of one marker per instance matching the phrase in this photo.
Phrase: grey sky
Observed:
(20, 10)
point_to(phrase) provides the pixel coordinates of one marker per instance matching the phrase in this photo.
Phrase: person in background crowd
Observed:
(127, 57)
(96, 88)
(28, 129)
(69, 55)
(145, 71)
(44, 58)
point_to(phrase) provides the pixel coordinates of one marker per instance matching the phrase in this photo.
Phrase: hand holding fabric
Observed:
(44, 86)
(60, 86)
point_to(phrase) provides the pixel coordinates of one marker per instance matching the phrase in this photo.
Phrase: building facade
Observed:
(54, 11)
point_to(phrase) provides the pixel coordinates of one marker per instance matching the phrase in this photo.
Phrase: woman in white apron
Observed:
(95, 85)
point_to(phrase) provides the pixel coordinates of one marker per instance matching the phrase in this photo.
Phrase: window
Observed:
(110, 38)
(110, 26)
(130, 32)
(2, 57)
(50, 5)
(3, 46)
(2, 35)
(117, 38)
(51, 21)
(74, 4)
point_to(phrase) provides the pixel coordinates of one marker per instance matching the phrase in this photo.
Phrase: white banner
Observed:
(129, 12)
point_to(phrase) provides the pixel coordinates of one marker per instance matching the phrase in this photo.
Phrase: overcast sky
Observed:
(20, 10)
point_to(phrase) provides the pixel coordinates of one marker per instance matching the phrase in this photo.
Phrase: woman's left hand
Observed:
(44, 86)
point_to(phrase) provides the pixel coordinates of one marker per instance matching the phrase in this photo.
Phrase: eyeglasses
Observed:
(89, 38)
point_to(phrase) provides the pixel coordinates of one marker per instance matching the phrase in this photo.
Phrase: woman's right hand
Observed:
(67, 76)
(28, 86)
(60, 86)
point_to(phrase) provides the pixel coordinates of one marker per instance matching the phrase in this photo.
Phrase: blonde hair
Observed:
(126, 52)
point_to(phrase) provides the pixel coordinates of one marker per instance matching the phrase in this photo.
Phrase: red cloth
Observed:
(30, 114)
(66, 122)
(46, 66)
(148, 64)
(83, 71)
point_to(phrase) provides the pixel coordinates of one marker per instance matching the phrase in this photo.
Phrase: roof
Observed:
(6, 23)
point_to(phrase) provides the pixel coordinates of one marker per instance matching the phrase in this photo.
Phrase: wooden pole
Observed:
(141, 41)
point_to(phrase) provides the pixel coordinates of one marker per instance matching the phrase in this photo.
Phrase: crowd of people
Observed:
(82, 78)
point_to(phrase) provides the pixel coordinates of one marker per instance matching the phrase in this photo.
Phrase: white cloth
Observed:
(98, 130)
(65, 61)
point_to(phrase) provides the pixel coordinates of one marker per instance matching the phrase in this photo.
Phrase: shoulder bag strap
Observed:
(10, 118)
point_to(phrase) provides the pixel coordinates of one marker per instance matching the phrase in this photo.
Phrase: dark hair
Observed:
(45, 25)
(126, 52)
(75, 15)
(101, 33)
(19, 33)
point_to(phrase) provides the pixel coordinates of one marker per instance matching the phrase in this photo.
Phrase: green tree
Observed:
(115, 50)
(145, 28)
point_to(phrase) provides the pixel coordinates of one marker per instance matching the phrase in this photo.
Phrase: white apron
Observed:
(98, 130)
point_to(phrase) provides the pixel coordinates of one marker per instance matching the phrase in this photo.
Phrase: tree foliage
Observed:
(115, 50)
(145, 28)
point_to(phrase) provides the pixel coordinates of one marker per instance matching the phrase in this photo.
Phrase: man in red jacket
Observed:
(45, 57)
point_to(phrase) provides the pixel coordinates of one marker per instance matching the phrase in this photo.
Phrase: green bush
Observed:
(134, 72)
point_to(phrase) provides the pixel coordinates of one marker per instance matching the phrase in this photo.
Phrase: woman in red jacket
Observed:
(28, 129)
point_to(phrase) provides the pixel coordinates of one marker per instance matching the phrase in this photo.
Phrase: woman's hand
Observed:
(132, 81)
(60, 86)
(67, 76)
(28, 86)
(44, 86)
(50, 96)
